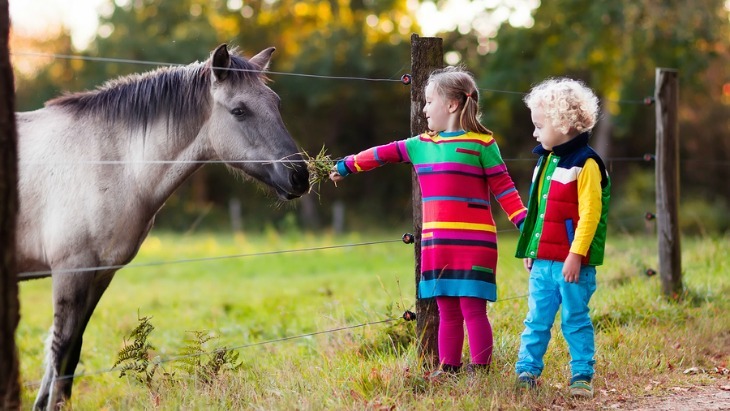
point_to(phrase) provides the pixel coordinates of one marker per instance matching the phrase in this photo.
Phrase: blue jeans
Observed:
(548, 290)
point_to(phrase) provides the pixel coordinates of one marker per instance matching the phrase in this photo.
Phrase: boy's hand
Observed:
(335, 175)
(527, 262)
(571, 267)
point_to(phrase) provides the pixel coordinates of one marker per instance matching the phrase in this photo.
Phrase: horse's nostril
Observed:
(300, 180)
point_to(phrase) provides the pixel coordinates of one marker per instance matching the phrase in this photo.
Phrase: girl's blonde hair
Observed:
(568, 104)
(457, 84)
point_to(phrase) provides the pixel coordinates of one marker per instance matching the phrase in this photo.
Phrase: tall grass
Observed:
(644, 342)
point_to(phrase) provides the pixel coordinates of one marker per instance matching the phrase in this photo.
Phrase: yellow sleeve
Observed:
(589, 207)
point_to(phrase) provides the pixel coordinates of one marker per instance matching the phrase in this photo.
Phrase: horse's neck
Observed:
(161, 165)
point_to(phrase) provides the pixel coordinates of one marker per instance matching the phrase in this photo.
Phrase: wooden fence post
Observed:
(427, 54)
(667, 181)
(9, 305)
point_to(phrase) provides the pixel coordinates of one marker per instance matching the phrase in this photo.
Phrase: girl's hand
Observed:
(571, 268)
(527, 262)
(335, 175)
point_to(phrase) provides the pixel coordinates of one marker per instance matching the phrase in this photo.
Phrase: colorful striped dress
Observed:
(456, 172)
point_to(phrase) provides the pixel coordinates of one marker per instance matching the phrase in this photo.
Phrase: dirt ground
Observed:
(697, 398)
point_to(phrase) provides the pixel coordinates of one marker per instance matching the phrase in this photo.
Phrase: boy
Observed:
(563, 237)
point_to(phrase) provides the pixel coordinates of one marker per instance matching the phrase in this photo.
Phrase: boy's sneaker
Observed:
(526, 381)
(581, 388)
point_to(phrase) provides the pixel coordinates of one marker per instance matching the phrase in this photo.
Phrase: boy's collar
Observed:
(576, 142)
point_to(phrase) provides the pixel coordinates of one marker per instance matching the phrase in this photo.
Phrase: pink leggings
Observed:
(453, 311)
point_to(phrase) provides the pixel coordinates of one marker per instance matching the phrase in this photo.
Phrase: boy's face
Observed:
(547, 135)
(438, 111)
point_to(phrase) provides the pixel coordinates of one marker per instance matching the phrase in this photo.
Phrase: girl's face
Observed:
(545, 133)
(440, 113)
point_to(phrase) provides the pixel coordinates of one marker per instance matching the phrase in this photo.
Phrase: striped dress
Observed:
(456, 171)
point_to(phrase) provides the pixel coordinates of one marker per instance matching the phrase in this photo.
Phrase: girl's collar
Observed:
(452, 133)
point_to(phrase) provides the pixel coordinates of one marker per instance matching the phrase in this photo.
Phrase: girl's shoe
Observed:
(473, 369)
(581, 389)
(443, 373)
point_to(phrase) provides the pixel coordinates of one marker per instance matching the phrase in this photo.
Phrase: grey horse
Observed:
(95, 167)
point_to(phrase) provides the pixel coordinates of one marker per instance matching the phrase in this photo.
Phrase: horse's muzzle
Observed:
(299, 180)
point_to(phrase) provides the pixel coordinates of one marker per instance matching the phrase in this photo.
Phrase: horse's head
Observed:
(246, 129)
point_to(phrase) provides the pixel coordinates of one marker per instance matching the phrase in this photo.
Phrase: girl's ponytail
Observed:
(469, 117)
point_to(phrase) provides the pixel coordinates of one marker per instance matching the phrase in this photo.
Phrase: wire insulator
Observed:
(406, 79)
(648, 157)
(649, 216)
(648, 101)
(409, 315)
(408, 238)
(650, 272)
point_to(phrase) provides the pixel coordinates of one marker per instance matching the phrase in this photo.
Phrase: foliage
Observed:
(335, 49)
(134, 359)
(395, 339)
(198, 363)
(319, 168)
(219, 361)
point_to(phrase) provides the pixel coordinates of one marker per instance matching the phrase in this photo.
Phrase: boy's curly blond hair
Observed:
(568, 104)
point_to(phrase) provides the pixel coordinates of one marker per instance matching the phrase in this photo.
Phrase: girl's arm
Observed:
(371, 158)
(501, 185)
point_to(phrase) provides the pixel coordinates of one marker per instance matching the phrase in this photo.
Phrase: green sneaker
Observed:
(526, 381)
(581, 389)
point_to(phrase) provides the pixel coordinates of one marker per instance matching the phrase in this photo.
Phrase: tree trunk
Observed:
(427, 54)
(9, 305)
(602, 133)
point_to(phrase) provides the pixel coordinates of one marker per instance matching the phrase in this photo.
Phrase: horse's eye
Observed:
(239, 112)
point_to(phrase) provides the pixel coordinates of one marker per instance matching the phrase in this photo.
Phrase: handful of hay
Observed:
(319, 167)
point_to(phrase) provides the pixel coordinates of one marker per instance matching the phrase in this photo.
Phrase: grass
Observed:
(644, 342)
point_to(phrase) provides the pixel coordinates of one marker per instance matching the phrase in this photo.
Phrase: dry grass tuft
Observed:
(319, 167)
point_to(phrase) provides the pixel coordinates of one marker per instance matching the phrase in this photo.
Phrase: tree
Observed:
(324, 38)
(615, 47)
(9, 305)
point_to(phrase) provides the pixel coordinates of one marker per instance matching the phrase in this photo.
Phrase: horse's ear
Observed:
(221, 62)
(262, 59)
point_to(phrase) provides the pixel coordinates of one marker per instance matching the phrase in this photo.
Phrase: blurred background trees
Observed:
(613, 46)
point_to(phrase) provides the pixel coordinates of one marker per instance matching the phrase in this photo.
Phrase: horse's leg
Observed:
(75, 296)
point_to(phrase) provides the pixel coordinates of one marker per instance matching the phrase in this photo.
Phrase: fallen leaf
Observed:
(694, 370)
(725, 387)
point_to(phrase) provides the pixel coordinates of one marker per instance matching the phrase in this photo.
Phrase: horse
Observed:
(96, 166)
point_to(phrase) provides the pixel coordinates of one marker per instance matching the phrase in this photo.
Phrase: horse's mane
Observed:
(135, 101)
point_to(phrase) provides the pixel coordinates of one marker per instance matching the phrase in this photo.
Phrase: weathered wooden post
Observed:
(427, 54)
(9, 306)
(667, 181)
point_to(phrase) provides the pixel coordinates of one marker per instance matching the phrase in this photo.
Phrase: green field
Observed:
(644, 342)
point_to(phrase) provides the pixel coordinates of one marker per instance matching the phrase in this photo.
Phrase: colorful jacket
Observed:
(456, 172)
(553, 208)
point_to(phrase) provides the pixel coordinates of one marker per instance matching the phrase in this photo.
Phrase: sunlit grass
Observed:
(644, 342)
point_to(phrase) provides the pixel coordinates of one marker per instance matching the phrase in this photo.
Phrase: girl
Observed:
(458, 164)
